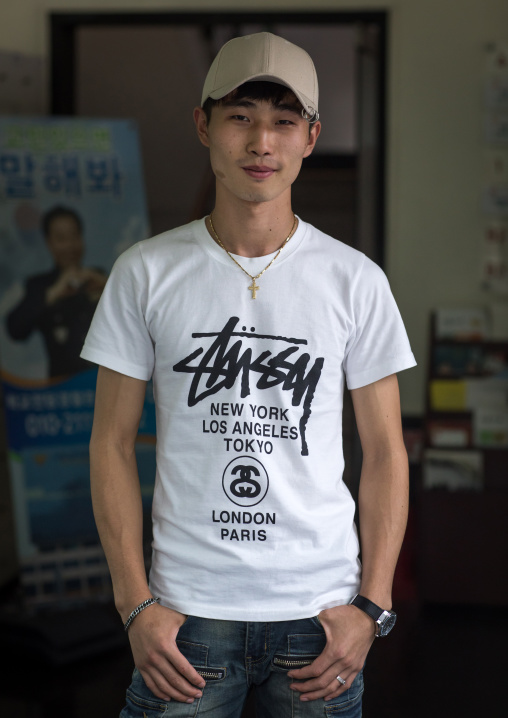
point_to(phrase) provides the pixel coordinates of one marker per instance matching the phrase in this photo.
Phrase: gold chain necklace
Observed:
(253, 287)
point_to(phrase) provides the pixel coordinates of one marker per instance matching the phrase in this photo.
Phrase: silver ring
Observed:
(341, 681)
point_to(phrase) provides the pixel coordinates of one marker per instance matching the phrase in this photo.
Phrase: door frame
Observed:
(63, 33)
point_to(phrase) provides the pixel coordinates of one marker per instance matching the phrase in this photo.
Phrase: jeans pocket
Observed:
(299, 649)
(316, 622)
(141, 701)
(349, 703)
(197, 655)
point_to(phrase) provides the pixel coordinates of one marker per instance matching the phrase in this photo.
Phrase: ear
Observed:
(313, 135)
(201, 126)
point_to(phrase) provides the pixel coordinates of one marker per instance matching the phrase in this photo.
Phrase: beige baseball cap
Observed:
(268, 57)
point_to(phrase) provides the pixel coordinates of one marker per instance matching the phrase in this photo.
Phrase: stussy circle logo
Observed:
(245, 481)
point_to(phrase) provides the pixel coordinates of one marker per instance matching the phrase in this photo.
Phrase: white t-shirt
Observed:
(251, 518)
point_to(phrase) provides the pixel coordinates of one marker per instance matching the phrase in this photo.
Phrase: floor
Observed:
(439, 662)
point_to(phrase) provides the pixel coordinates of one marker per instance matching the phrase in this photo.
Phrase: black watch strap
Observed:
(367, 606)
(384, 620)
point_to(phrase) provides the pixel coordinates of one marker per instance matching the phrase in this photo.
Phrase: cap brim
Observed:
(226, 89)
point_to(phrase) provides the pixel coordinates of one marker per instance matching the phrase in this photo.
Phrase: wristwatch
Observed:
(384, 620)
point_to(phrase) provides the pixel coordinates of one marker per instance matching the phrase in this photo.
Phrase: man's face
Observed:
(65, 242)
(256, 148)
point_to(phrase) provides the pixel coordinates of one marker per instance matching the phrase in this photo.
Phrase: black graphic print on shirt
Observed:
(227, 357)
(245, 482)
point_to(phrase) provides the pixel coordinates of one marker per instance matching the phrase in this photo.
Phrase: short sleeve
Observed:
(118, 337)
(378, 345)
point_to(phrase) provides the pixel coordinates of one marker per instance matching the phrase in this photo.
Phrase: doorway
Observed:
(150, 67)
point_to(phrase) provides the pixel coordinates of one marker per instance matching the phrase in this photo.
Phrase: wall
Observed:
(434, 138)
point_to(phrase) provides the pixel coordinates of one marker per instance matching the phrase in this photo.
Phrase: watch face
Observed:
(386, 623)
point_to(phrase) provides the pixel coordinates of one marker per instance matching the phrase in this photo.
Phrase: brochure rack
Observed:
(463, 492)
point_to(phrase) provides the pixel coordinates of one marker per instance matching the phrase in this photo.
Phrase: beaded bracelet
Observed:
(137, 610)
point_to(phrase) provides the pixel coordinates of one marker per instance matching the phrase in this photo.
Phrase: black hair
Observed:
(259, 90)
(57, 212)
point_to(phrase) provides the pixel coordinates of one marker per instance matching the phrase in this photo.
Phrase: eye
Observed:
(285, 122)
(240, 118)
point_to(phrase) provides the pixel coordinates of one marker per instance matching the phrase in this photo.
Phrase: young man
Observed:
(248, 321)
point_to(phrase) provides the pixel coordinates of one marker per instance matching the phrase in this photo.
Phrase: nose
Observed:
(260, 140)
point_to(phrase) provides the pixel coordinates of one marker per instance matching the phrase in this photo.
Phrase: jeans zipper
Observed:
(210, 674)
(293, 662)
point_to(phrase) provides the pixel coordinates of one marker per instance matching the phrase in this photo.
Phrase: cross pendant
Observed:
(253, 288)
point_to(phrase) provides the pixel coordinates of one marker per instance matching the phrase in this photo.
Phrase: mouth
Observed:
(258, 172)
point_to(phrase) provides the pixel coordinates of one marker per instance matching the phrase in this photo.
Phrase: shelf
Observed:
(462, 533)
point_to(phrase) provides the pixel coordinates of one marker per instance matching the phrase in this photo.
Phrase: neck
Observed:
(254, 230)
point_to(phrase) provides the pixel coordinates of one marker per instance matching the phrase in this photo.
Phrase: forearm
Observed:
(349, 631)
(118, 514)
(383, 507)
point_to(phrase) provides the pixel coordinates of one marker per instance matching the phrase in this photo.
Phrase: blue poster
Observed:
(71, 200)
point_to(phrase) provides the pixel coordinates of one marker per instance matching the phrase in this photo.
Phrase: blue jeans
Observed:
(234, 657)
